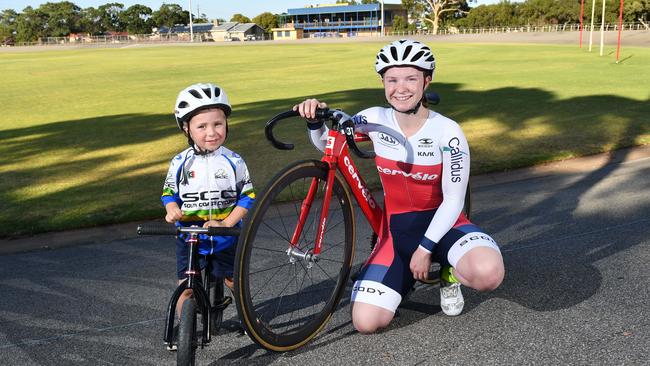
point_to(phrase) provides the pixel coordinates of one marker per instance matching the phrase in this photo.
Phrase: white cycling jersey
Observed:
(208, 187)
(428, 170)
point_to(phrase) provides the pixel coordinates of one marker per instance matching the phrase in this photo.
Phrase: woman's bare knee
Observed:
(369, 319)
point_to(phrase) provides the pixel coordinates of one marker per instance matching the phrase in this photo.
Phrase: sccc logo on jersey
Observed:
(387, 140)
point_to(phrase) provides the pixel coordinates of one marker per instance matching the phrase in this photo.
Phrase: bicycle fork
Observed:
(198, 292)
(294, 252)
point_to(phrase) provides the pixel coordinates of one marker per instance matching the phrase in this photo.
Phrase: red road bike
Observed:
(296, 250)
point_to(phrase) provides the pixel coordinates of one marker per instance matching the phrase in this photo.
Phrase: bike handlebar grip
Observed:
(268, 130)
(157, 229)
(223, 231)
(323, 113)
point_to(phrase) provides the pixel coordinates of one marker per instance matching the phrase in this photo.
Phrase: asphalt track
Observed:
(575, 236)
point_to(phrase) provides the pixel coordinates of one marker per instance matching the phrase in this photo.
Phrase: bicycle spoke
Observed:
(268, 281)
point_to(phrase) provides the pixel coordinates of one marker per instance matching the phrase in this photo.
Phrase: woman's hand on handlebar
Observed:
(307, 109)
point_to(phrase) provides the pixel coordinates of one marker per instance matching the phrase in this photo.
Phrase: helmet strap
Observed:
(197, 150)
(413, 110)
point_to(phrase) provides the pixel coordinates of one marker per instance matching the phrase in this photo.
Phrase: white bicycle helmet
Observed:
(405, 52)
(197, 97)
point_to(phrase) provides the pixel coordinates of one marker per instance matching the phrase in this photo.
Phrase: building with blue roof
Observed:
(341, 20)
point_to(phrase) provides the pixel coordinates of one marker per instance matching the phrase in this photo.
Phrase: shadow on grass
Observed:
(532, 126)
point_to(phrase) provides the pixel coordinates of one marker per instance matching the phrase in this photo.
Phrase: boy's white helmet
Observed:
(405, 52)
(197, 97)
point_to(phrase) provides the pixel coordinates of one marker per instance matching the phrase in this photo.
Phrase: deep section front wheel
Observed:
(285, 299)
(187, 338)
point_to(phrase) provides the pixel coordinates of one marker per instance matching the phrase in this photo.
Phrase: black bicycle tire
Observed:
(256, 328)
(187, 335)
(216, 296)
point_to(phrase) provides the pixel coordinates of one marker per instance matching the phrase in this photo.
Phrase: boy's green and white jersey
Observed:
(208, 187)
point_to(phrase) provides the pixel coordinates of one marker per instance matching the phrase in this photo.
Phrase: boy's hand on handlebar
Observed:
(174, 213)
(307, 109)
(214, 223)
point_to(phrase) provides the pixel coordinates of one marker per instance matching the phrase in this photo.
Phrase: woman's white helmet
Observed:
(198, 97)
(405, 52)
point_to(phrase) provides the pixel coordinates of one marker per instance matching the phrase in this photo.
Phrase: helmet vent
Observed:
(407, 50)
(183, 105)
(384, 58)
(393, 52)
(217, 92)
(195, 94)
(417, 56)
(208, 92)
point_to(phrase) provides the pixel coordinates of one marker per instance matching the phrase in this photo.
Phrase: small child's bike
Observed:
(208, 298)
(296, 249)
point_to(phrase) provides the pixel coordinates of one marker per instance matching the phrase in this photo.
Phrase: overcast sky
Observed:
(212, 8)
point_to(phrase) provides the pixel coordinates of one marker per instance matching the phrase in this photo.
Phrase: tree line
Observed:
(63, 18)
(458, 13)
(550, 12)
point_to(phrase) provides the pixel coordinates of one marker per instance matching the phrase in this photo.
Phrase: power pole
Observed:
(191, 25)
(382, 18)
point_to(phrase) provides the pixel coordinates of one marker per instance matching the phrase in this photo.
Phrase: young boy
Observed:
(207, 184)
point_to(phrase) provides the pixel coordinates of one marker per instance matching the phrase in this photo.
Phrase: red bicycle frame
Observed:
(337, 156)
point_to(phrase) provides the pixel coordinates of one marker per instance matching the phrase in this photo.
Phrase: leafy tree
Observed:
(91, 21)
(8, 19)
(434, 11)
(30, 25)
(200, 18)
(169, 15)
(61, 18)
(267, 21)
(110, 17)
(636, 10)
(400, 24)
(414, 8)
(501, 14)
(239, 18)
(542, 12)
(137, 19)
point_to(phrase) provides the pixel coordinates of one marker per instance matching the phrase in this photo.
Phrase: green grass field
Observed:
(87, 135)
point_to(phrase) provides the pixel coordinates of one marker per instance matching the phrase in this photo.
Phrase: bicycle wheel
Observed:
(187, 338)
(217, 301)
(285, 301)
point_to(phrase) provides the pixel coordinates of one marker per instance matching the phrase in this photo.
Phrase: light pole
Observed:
(382, 18)
(591, 28)
(191, 26)
(602, 30)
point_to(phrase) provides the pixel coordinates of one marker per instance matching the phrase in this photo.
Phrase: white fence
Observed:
(528, 28)
(117, 40)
